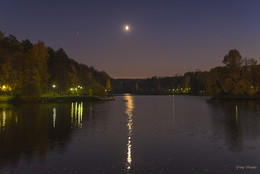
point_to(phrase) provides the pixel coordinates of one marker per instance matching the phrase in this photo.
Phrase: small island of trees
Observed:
(238, 76)
(29, 71)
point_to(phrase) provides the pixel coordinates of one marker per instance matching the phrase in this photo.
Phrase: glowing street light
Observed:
(54, 86)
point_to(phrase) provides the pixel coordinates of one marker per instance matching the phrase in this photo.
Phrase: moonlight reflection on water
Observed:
(129, 111)
(133, 134)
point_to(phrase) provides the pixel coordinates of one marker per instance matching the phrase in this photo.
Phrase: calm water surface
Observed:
(133, 134)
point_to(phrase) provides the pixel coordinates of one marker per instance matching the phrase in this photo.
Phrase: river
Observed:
(133, 134)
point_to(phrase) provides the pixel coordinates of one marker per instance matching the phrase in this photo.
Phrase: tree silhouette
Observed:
(233, 59)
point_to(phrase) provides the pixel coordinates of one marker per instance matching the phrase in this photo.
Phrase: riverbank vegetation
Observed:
(189, 83)
(238, 77)
(29, 71)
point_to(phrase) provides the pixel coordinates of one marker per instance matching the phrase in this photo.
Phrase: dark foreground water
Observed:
(133, 134)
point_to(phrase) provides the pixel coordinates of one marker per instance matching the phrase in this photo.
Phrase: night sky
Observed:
(165, 37)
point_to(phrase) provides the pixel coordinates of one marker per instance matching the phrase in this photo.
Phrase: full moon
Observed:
(126, 27)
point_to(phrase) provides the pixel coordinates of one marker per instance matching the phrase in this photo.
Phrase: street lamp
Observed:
(3, 88)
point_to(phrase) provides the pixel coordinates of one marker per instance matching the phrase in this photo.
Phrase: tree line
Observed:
(30, 70)
(238, 76)
(189, 83)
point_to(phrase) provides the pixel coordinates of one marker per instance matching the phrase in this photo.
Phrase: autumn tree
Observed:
(59, 70)
(11, 62)
(232, 59)
(35, 73)
(186, 81)
(238, 77)
(248, 62)
(30, 69)
(108, 84)
(27, 45)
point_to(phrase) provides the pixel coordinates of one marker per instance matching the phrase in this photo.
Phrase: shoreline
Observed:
(223, 97)
(236, 97)
(49, 99)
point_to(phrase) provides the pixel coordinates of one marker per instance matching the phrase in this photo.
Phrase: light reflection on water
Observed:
(4, 118)
(76, 114)
(129, 111)
(173, 109)
(227, 131)
(236, 114)
(54, 117)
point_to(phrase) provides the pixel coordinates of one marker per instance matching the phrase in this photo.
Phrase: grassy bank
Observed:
(73, 98)
(4, 99)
